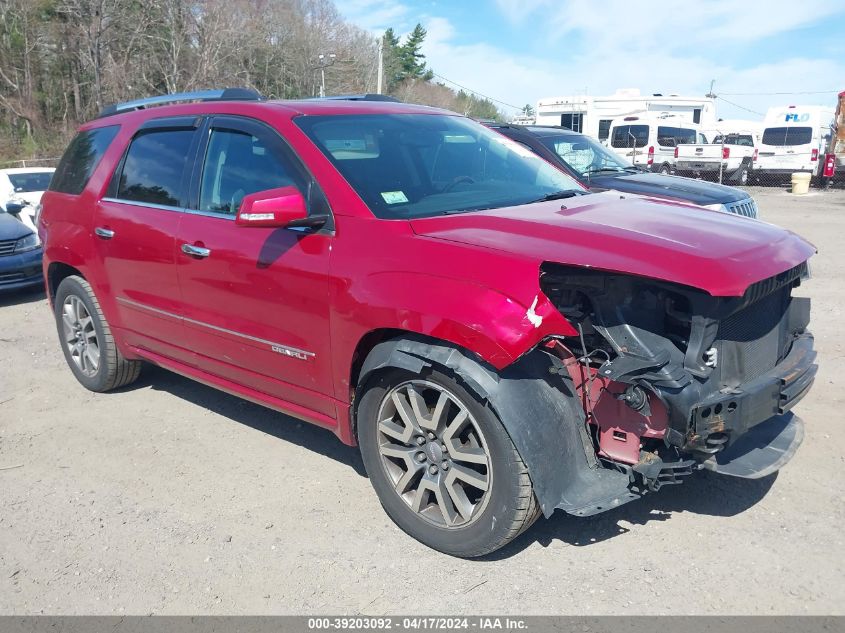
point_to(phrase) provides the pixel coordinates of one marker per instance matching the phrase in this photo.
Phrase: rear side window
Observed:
(630, 136)
(672, 136)
(81, 158)
(787, 136)
(744, 140)
(153, 168)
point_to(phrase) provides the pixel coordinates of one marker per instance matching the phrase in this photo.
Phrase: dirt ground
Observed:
(172, 498)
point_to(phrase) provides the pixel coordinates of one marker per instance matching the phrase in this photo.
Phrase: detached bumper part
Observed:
(762, 450)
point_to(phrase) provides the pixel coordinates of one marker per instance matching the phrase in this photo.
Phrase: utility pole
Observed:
(380, 64)
(711, 94)
(324, 61)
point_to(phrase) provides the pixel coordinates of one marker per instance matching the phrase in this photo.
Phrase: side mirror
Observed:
(273, 208)
(14, 208)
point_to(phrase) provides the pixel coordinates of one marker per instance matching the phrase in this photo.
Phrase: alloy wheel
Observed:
(80, 335)
(434, 453)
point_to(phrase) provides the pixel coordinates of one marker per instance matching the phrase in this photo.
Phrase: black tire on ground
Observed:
(511, 506)
(665, 169)
(114, 371)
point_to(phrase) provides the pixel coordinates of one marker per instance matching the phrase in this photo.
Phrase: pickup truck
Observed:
(735, 154)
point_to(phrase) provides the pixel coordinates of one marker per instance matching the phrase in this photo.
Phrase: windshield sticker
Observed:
(394, 197)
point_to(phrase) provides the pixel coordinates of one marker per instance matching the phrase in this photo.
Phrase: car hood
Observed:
(11, 228)
(688, 189)
(31, 198)
(719, 253)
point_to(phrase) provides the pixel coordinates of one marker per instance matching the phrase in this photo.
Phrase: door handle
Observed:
(104, 233)
(195, 251)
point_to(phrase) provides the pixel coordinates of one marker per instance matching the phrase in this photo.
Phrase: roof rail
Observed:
(227, 94)
(361, 97)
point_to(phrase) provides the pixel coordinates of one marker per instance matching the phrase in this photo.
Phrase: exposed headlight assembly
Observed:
(716, 207)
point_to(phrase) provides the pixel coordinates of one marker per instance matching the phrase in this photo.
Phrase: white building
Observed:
(593, 115)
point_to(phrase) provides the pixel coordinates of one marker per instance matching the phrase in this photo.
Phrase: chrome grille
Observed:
(9, 278)
(7, 247)
(747, 207)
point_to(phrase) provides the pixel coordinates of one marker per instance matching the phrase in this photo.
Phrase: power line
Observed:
(475, 92)
(767, 94)
(736, 105)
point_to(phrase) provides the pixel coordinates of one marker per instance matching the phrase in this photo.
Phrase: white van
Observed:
(649, 140)
(793, 139)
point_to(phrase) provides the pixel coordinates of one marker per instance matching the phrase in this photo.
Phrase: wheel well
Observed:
(56, 273)
(372, 339)
(363, 349)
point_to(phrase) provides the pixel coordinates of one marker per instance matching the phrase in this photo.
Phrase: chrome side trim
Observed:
(149, 205)
(211, 214)
(286, 350)
(164, 207)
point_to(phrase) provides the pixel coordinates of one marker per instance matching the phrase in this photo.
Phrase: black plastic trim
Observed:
(539, 410)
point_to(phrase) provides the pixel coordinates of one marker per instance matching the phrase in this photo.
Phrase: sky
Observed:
(518, 51)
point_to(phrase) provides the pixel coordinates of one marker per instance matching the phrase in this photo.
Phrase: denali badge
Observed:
(290, 352)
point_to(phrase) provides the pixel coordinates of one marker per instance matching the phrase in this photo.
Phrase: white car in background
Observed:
(21, 189)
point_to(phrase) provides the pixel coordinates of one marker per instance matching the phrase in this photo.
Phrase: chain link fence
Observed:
(747, 157)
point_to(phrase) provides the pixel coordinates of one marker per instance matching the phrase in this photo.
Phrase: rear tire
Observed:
(411, 473)
(665, 169)
(87, 341)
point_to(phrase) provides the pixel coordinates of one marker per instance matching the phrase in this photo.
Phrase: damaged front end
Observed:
(673, 379)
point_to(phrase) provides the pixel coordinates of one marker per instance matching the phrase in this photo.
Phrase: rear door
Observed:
(788, 147)
(135, 234)
(256, 300)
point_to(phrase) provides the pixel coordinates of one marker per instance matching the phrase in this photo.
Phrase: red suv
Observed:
(498, 341)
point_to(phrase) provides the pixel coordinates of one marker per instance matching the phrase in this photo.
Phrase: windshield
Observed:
(629, 136)
(787, 136)
(420, 165)
(583, 154)
(25, 183)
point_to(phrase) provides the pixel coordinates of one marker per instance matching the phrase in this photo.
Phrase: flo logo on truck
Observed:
(797, 118)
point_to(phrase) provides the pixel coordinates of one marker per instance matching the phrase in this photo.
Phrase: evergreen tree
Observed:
(411, 60)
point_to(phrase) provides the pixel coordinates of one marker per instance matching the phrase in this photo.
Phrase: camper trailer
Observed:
(593, 116)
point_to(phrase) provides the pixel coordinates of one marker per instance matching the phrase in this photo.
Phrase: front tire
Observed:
(442, 464)
(87, 341)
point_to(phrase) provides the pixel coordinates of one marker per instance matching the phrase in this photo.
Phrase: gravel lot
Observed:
(172, 498)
